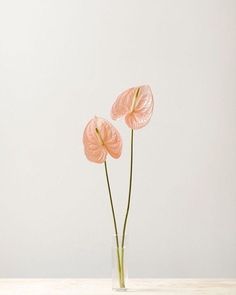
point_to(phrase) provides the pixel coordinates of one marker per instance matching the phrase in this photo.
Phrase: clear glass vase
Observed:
(119, 263)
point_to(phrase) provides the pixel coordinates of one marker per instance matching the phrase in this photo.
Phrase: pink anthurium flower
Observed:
(101, 138)
(136, 104)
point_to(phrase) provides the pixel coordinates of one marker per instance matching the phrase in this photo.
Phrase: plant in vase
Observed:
(101, 139)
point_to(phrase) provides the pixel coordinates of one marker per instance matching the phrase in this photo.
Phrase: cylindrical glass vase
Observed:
(119, 263)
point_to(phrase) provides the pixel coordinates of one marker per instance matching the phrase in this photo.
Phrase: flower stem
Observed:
(115, 227)
(129, 198)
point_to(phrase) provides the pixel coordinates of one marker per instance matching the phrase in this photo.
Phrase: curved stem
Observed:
(128, 205)
(115, 227)
(130, 186)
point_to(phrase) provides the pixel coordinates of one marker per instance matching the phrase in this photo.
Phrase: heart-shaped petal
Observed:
(101, 138)
(136, 104)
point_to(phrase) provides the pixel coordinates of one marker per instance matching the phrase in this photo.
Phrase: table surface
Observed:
(103, 286)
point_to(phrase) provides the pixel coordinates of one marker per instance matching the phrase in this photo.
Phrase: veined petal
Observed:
(111, 138)
(101, 137)
(93, 148)
(123, 104)
(136, 104)
(142, 111)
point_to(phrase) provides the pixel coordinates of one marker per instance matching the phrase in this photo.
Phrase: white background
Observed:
(61, 63)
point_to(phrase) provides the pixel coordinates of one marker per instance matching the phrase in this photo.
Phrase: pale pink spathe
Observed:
(101, 138)
(136, 104)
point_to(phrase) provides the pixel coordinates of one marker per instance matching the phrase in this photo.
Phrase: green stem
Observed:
(115, 226)
(129, 198)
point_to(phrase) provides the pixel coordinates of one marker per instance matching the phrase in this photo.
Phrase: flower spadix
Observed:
(100, 139)
(136, 105)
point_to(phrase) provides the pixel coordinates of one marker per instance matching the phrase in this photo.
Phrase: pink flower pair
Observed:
(102, 138)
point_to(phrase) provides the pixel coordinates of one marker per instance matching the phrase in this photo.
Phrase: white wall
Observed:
(62, 62)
